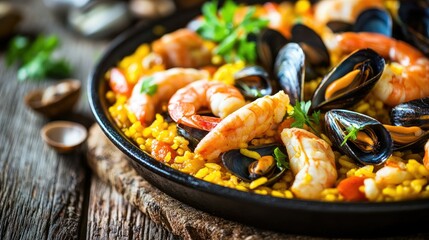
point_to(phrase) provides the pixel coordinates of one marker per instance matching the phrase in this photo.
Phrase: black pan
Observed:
(290, 216)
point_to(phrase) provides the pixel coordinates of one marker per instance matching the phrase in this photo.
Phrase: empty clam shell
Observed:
(55, 99)
(64, 136)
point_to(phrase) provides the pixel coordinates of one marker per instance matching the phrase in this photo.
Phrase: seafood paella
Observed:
(323, 101)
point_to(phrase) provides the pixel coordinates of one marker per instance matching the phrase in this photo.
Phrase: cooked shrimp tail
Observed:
(221, 99)
(311, 160)
(144, 105)
(248, 122)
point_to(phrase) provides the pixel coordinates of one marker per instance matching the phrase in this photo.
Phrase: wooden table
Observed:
(44, 194)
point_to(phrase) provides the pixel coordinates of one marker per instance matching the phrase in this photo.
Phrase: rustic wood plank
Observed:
(41, 192)
(111, 217)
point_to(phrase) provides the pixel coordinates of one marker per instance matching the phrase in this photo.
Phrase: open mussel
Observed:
(289, 67)
(249, 169)
(253, 82)
(410, 129)
(374, 20)
(373, 143)
(349, 81)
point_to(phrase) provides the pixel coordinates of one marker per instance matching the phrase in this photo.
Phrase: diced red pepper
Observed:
(160, 151)
(349, 188)
(118, 82)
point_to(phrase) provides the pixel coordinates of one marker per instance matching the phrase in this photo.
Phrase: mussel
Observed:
(349, 81)
(374, 20)
(193, 135)
(414, 20)
(289, 67)
(315, 50)
(373, 144)
(253, 82)
(268, 44)
(411, 113)
(410, 121)
(249, 169)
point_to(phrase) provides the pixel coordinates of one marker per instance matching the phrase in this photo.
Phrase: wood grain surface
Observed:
(45, 195)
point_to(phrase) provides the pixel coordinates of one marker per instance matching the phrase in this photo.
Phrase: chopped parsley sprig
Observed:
(302, 117)
(148, 86)
(219, 26)
(280, 158)
(36, 58)
(352, 132)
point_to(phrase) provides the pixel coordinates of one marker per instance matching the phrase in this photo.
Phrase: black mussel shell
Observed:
(268, 44)
(253, 82)
(372, 66)
(238, 164)
(315, 50)
(289, 67)
(338, 120)
(337, 26)
(193, 135)
(412, 113)
(414, 20)
(374, 20)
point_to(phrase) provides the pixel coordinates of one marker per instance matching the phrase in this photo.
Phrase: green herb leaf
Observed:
(148, 86)
(352, 132)
(254, 92)
(300, 114)
(35, 58)
(280, 159)
(231, 38)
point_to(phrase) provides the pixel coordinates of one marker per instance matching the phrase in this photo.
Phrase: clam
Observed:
(411, 124)
(289, 67)
(253, 82)
(249, 169)
(373, 144)
(55, 99)
(64, 136)
(349, 81)
(374, 20)
(268, 44)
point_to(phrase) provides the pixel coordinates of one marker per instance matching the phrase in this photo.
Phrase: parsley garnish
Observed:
(300, 114)
(280, 159)
(148, 86)
(232, 37)
(352, 133)
(251, 91)
(35, 58)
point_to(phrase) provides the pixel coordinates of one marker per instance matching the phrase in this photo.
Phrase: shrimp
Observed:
(340, 10)
(426, 157)
(168, 82)
(392, 173)
(311, 160)
(221, 98)
(248, 122)
(393, 88)
(182, 48)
